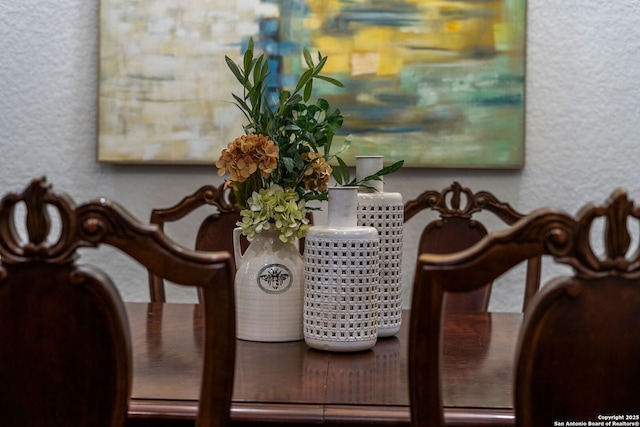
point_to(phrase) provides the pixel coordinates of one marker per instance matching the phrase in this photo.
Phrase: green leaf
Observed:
(288, 163)
(294, 99)
(374, 177)
(343, 171)
(331, 80)
(308, 88)
(257, 70)
(320, 65)
(234, 69)
(299, 162)
(308, 136)
(390, 169)
(307, 57)
(292, 127)
(241, 104)
(315, 196)
(264, 72)
(304, 78)
(335, 173)
(323, 104)
(248, 56)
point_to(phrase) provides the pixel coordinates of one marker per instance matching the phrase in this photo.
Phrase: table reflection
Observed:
(278, 372)
(376, 375)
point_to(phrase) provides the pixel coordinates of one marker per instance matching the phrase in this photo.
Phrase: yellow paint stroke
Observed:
(459, 28)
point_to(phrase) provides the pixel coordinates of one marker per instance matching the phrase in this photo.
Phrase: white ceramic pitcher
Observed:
(269, 287)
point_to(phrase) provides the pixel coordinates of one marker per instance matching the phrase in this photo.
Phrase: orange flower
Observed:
(268, 157)
(246, 154)
(317, 173)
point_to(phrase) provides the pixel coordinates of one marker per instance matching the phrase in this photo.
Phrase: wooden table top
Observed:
(284, 382)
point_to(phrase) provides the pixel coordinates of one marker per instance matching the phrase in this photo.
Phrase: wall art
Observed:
(438, 84)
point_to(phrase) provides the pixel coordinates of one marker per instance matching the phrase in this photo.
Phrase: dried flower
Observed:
(247, 154)
(318, 172)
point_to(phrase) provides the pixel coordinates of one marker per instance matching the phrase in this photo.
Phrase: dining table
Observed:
(289, 383)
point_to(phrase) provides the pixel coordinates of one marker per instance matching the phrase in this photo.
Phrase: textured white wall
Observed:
(581, 130)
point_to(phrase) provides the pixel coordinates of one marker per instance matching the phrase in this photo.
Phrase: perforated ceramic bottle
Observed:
(341, 279)
(385, 212)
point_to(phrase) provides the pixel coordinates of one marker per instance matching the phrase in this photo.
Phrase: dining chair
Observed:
(65, 345)
(579, 344)
(215, 232)
(458, 227)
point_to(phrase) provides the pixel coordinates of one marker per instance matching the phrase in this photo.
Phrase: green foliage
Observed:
(295, 125)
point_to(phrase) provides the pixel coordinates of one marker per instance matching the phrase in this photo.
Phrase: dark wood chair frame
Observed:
(81, 305)
(580, 342)
(457, 229)
(226, 216)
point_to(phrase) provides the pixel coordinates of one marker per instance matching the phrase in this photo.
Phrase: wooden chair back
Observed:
(457, 229)
(65, 348)
(579, 345)
(214, 234)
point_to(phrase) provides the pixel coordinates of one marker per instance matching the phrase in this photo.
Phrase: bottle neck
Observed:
(367, 166)
(343, 207)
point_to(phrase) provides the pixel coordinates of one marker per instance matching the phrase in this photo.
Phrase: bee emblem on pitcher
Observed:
(274, 278)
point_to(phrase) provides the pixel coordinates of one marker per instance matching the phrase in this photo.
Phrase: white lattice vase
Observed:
(269, 287)
(341, 279)
(385, 212)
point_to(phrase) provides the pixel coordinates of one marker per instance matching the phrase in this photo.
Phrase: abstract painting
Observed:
(436, 83)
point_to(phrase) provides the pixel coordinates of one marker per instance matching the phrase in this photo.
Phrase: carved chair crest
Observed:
(80, 226)
(36, 199)
(448, 203)
(568, 238)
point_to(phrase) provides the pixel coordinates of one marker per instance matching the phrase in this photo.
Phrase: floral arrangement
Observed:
(282, 161)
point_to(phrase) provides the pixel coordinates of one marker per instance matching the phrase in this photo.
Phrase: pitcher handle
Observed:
(237, 247)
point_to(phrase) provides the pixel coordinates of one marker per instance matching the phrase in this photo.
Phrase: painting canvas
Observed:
(436, 83)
